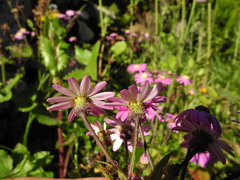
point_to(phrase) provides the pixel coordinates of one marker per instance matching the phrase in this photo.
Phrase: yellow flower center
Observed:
(81, 104)
(144, 75)
(136, 107)
(136, 66)
(162, 77)
(185, 77)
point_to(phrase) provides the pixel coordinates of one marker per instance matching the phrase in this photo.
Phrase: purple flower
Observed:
(21, 34)
(200, 114)
(137, 67)
(184, 80)
(201, 138)
(140, 78)
(138, 101)
(70, 12)
(163, 79)
(203, 159)
(82, 98)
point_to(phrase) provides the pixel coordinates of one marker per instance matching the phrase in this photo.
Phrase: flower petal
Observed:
(74, 86)
(64, 90)
(60, 106)
(102, 96)
(60, 99)
(71, 116)
(96, 88)
(85, 86)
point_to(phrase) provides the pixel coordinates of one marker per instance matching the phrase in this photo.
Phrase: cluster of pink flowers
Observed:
(166, 78)
(21, 34)
(69, 13)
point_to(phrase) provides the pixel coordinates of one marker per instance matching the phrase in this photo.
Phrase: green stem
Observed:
(135, 138)
(3, 72)
(101, 18)
(6, 148)
(156, 7)
(236, 44)
(29, 122)
(100, 144)
(200, 36)
(146, 148)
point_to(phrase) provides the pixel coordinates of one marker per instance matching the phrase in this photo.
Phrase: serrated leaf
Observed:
(42, 119)
(78, 74)
(5, 163)
(92, 66)
(118, 48)
(48, 55)
(82, 55)
(158, 171)
(62, 56)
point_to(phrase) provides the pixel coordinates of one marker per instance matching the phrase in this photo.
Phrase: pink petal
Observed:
(85, 86)
(64, 90)
(125, 94)
(118, 99)
(60, 106)
(102, 96)
(154, 91)
(96, 88)
(96, 111)
(143, 91)
(71, 116)
(73, 84)
(59, 99)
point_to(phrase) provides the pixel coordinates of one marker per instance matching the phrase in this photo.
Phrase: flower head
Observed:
(137, 67)
(82, 98)
(123, 131)
(201, 138)
(72, 39)
(163, 79)
(184, 80)
(200, 114)
(138, 102)
(140, 78)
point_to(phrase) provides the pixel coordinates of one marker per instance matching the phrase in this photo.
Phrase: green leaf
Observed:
(5, 163)
(204, 100)
(82, 55)
(158, 171)
(118, 48)
(77, 74)
(20, 50)
(92, 66)
(69, 141)
(48, 55)
(172, 62)
(20, 149)
(42, 158)
(42, 119)
(62, 56)
(31, 24)
(61, 31)
(5, 92)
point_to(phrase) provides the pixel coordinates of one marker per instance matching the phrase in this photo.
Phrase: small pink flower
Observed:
(82, 98)
(200, 114)
(113, 34)
(163, 79)
(72, 39)
(203, 159)
(137, 67)
(146, 35)
(144, 159)
(127, 31)
(61, 16)
(201, 138)
(184, 80)
(19, 36)
(70, 12)
(140, 78)
(24, 31)
(138, 101)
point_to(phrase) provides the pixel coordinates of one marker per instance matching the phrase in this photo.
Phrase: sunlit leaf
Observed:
(118, 48)
(5, 163)
(45, 120)
(82, 55)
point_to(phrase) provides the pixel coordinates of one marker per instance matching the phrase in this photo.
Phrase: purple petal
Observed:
(73, 84)
(64, 90)
(125, 94)
(85, 86)
(60, 106)
(96, 88)
(216, 151)
(59, 99)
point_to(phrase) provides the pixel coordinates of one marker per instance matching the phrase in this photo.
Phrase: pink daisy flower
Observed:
(184, 80)
(123, 131)
(138, 101)
(163, 79)
(201, 138)
(82, 98)
(140, 78)
(200, 114)
(72, 39)
(137, 67)
(203, 159)
(70, 12)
